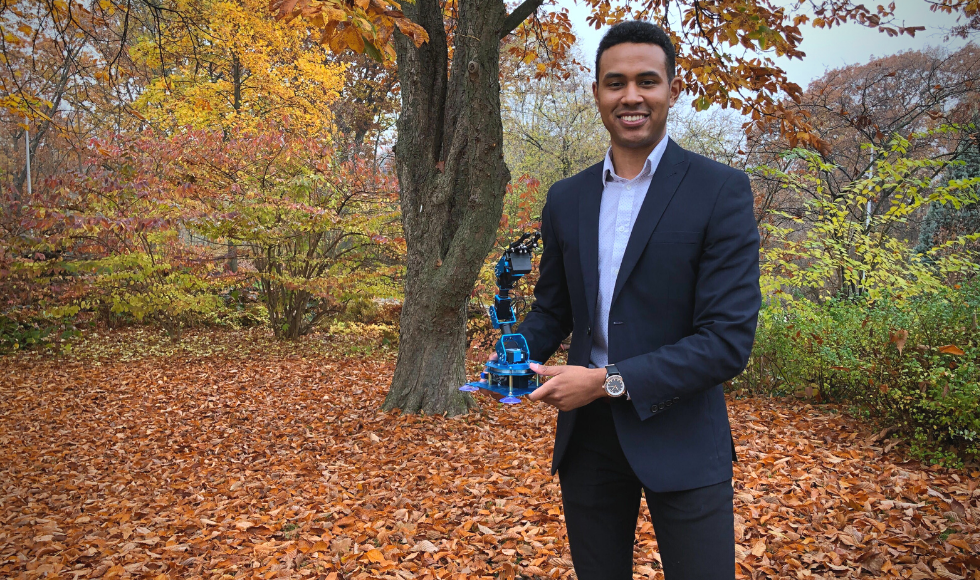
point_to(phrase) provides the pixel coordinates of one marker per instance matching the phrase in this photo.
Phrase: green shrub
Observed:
(911, 363)
(18, 335)
(140, 288)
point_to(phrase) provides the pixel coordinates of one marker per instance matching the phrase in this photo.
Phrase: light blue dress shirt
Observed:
(621, 201)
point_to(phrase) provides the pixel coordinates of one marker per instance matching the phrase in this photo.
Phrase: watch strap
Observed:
(612, 371)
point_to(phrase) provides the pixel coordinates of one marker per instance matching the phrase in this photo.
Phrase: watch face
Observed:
(615, 387)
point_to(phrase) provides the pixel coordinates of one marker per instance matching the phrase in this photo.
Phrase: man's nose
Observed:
(631, 96)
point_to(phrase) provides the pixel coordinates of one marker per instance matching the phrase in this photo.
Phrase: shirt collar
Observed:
(649, 166)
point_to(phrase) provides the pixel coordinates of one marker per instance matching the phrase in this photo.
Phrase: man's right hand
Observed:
(497, 396)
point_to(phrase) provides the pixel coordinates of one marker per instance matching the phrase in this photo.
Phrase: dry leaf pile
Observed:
(275, 465)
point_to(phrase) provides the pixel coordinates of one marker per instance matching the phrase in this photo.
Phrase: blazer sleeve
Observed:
(550, 318)
(726, 309)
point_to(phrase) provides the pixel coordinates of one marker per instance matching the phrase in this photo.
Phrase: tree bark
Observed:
(452, 180)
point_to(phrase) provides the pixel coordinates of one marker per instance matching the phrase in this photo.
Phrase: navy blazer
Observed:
(682, 318)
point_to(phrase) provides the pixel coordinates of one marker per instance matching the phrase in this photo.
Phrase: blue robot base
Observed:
(511, 380)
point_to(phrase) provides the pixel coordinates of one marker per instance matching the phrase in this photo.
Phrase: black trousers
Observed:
(695, 528)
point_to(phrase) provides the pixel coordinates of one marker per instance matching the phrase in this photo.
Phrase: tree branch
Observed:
(514, 19)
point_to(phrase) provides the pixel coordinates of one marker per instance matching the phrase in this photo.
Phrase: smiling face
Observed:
(633, 94)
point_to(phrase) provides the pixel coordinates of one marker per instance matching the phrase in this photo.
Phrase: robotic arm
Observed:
(510, 374)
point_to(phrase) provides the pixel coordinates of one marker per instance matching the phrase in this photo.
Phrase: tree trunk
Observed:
(452, 180)
(431, 350)
(59, 92)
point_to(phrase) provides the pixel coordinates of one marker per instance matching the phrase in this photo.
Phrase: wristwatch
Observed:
(614, 385)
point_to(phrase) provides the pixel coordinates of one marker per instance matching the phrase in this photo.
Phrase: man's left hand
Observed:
(570, 387)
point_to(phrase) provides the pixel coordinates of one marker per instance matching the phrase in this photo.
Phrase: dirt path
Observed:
(267, 466)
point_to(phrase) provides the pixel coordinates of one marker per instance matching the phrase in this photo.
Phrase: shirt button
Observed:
(629, 188)
(621, 229)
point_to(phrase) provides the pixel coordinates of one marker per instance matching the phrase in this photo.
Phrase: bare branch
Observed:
(515, 18)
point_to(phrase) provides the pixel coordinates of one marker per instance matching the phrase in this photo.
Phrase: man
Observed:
(651, 262)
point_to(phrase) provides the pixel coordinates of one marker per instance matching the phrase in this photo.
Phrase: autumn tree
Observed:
(715, 133)
(233, 65)
(365, 111)
(54, 98)
(54, 89)
(228, 155)
(923, 100)
(837, 248)
(316, 227)
(944, 222)
(551, 127)
(857, 110)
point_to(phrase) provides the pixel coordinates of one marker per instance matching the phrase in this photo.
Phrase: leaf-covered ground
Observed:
(229, 457)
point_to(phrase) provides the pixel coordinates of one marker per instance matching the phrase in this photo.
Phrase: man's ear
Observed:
(676, 86)
(595, 93)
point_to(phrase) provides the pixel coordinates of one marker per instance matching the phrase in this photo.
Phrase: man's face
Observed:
(633, 94)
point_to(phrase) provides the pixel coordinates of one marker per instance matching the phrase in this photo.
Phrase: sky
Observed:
(825, 49)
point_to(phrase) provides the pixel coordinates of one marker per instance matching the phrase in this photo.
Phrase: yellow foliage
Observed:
(236, 64)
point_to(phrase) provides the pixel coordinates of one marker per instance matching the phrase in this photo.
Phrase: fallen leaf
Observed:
(425, 546)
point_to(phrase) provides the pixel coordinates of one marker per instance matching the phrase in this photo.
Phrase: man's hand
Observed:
(571, 386)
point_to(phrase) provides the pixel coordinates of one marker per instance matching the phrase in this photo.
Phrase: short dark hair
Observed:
(639, 32)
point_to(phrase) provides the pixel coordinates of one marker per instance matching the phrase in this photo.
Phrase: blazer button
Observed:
(653, 409)
(589, 331)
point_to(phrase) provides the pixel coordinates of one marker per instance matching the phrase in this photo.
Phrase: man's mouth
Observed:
(633, 118)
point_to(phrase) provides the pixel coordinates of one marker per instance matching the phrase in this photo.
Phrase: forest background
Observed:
(193, 165)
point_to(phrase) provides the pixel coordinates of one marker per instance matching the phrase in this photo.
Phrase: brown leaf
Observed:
(899, 338)
(340, 545)
(425, 546)
(942, 572)
(951, 349)
(958, 508)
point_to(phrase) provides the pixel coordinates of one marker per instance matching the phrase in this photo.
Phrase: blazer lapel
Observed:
(673, 165)
(588, 212)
